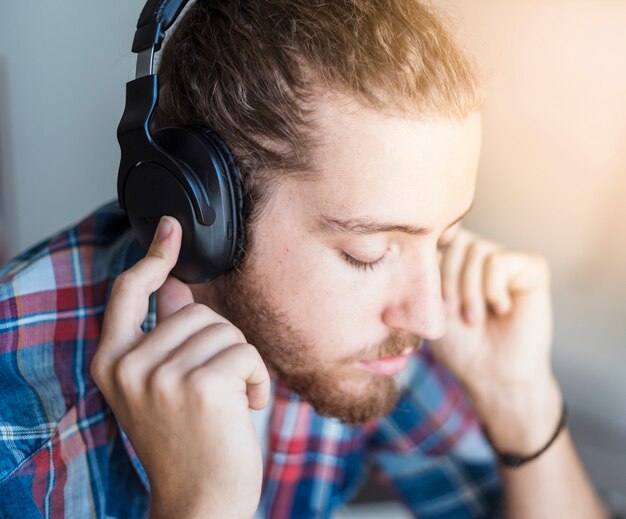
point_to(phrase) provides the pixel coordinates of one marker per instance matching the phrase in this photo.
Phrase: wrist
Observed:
(520, 418)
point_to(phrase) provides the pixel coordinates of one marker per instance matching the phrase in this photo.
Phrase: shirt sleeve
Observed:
(60, 454)
(430, 451)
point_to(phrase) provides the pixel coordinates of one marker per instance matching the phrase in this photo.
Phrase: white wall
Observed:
(63, 67)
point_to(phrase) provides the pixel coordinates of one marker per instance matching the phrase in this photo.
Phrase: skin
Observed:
(485, 310)
(296, 270)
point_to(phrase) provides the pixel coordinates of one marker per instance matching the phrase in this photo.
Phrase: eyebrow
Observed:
(364, 225)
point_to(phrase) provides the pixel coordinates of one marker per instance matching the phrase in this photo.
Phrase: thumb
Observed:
(128, 304)
(171, 297)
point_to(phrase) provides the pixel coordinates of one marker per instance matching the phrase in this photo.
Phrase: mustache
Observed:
(391, 347)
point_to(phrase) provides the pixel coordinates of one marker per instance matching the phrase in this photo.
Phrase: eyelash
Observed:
(364, 265)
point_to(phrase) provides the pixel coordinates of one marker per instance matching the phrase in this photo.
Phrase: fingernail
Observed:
(164, 229)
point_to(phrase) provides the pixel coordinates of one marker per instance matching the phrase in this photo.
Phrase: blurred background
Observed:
(552, 177)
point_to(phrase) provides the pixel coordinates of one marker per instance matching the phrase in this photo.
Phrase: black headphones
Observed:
(185, 172)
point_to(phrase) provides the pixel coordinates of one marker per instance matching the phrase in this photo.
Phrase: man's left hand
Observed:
(499, 336)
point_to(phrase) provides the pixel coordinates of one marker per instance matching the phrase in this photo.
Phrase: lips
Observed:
(386, 365)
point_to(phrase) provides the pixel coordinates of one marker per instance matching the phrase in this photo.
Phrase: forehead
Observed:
(394, 167)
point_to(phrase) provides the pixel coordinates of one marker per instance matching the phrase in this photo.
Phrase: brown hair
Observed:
(250, 70)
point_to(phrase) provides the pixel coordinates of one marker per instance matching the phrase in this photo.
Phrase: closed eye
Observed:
(370, 265)
(361, 265)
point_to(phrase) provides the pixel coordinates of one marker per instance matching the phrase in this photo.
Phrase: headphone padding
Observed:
(236, 187)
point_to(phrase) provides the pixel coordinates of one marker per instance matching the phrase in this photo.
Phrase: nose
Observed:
(416, 304)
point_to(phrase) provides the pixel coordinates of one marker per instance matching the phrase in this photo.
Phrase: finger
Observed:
(168, 335)
(171, 297)
(496, 281)
(244, 363)
(472, 295)
(451, 265)
(525, 272)
(128, 304)
(203, 345)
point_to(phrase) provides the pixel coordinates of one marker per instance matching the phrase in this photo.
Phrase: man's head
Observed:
(355, 128)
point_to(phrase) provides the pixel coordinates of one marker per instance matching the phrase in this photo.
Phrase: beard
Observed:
(337, 389)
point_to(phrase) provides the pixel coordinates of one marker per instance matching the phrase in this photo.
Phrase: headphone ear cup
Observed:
(200, 194)
(152, 191)
(236, 188)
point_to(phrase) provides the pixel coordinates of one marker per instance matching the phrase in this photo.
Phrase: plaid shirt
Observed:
(62, 453)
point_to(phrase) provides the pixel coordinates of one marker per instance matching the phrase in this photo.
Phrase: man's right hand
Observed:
(182, 392)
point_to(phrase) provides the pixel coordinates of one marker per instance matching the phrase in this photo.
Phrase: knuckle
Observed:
(240, 336)
(247, 349)
(162, 381)
(125, 373)
(199, 311)
(97, 370)
(128, 277)
(203, 385)
(221, 327)
(124, 282)
(227, 331)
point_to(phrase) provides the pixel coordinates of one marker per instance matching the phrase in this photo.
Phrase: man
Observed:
(270, 390)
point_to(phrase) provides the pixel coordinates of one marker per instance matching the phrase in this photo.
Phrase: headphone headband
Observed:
(134, 136)
(156, 17)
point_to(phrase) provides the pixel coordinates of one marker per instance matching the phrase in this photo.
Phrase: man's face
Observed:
(315, 314)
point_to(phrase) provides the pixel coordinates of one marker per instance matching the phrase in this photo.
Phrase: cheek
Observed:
(337, 308)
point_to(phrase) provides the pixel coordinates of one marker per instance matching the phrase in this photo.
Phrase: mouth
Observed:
(387, 365)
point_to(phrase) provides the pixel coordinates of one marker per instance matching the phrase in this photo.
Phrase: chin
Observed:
(355, 398)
